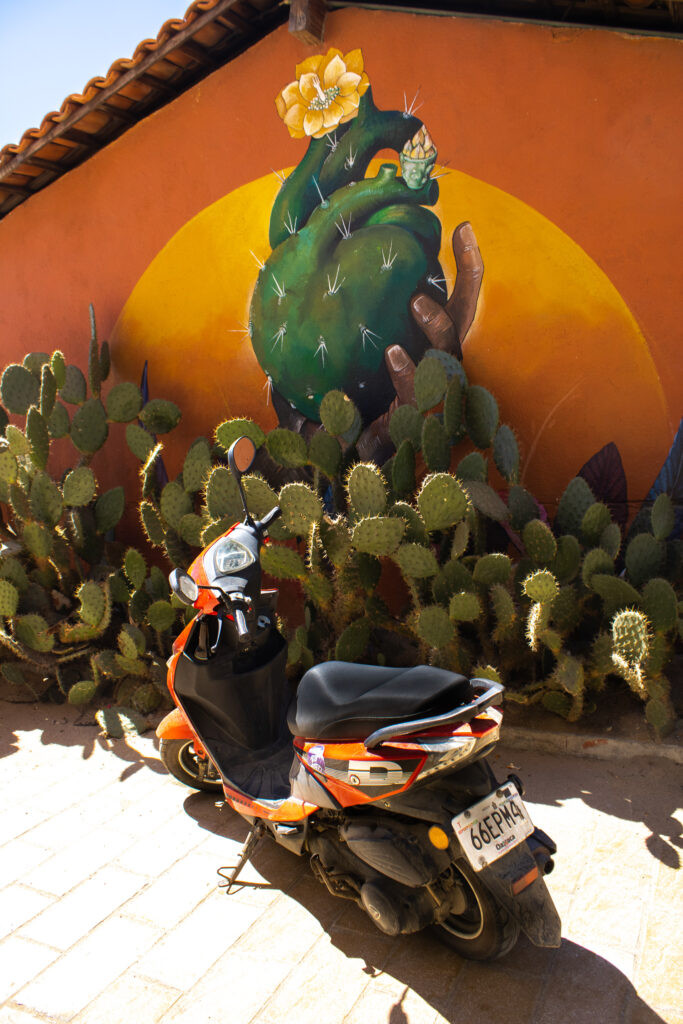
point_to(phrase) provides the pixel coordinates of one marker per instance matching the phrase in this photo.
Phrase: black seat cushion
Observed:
(338, 700)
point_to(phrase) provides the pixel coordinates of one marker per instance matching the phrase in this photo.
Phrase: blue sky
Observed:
(50, 48)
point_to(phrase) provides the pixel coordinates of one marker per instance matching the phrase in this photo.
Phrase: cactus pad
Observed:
(58, 367)
(453, 407)
(124, 402)
(452, 578)
(493, 568)
(415, 528)
(367, 490)
(610, 539)
(337, 413)
(644, 558)
(82, 692)
(261, 498)
(318, 589)
(663, 517)
(89, 428)
(660, 604)
(378, 535)
(74, 388)
(324, 452)
(135, 568)
(151, 521)
(353, 641)
(117, 722)
(630, 636)
(190, 529)
(403, 469)
(140, 441)
(406, 424)
(282, 562)
(567, 561)
(436, 448)
(38, 437)
(161, 616)
(31, 630)
(159, 416)
(660, 714)
(48, 392)
(472, 467)
(19, 389)
(175, 503)
(109, 509)
(336, 541)
(197, 466)
(539, 542)
(9, 599)
(441, 501)
(506, 454)
(595, 521)
(46, 500)
(414, 560)
(131, 641)
(573, 505)
(222, 495)
(522, 507)
(541, 587)
(434, 627)
(58, 423)
(481, 415)
(11, 569)
(464, 607)
(595, 561)
(229, 431)
(503, 608)
(37, 539)
(79, 486)
(615, 592)
(301, 507)
(93, 602)
(287, 448)
(486, 500)
(430, 384)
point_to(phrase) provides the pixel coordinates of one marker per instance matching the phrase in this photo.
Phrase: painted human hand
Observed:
(445, 327)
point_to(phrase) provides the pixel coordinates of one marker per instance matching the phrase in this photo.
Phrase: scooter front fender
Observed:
(174, 726)
(533, 907)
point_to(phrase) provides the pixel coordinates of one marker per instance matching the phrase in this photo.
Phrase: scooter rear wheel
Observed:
(485, 930)
(179, 758)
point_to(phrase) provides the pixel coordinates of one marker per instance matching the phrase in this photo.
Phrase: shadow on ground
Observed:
(529, 984)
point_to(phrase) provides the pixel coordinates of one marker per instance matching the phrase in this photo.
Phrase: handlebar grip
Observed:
(241, 623)
(269, 518)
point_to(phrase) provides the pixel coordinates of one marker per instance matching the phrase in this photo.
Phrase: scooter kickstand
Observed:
(250, 843)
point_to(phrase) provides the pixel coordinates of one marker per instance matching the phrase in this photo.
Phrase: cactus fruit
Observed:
(436, 448)
(539, 542)
(403, 469)
(493, 568)
(506, 454)
(596, 561)
(324, 452)
(541, 587)
(9, 599)
(19, 389)
(46, 500)
(660, 604)
(353, 641)
(481, 415)
(473, 467)
(230, 430)
(486, 501)
(301, 507)
(124, 402)
(433, 626)
(282, 562)
(595, 521)
(159, 416)
(118, 722)
(337, 413)
(367, 490)
(287, 448)
(406, 424)
(662, 517)
(89, 428)
(161, 616)
(430, 384)
(464, 607)
(416, 561)
(441, 501)
(572, 507)
(38, 436)
(378, 535)
(174, 503)
(644, 558)
(79, 486)
(109, 509)
(610, 539)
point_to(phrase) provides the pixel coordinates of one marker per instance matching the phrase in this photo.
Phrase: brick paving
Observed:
(110, 911)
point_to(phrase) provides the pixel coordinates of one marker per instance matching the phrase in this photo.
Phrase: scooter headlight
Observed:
(229, 556)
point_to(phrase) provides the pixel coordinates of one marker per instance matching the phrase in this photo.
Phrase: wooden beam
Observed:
(195, 51)
(157, 83)
(47, 165)
(19, 190)
(231, 19)
(122, 115)
(153, 57)
(307, 20)
(82, 138)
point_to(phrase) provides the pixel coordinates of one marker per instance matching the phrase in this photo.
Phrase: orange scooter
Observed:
(378, 775)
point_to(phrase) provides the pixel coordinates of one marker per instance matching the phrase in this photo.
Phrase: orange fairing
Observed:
(174, 726)
(207, 600)
(291, 809)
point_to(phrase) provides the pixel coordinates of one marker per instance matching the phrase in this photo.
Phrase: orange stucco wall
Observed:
(582, 125)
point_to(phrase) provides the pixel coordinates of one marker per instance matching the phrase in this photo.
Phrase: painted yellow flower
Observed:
(326, 93)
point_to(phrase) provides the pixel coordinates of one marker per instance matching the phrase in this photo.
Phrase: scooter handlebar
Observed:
(241, 623)
(270, 517)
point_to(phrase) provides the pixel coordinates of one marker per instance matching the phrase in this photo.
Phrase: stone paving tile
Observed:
(156, 852)
(130, 1000)
(73, 916)
(18, 904)
(407, 1007)
(172, 896)
(18, 856)
(15, 1015)
(88, 968)
(20, 962)
(76, 862)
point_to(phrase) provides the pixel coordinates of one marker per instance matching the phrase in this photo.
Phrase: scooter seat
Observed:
(340, 701)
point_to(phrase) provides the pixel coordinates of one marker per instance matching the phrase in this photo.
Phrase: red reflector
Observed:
(525, 881)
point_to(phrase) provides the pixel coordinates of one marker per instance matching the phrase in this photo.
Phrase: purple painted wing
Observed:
(604, 474)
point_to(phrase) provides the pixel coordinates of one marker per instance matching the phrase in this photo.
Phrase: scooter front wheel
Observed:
(179, 758)
(484, 930)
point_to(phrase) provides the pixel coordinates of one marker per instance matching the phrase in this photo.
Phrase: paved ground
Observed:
(109, 910)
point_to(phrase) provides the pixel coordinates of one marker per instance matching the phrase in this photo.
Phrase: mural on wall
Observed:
(364, 262)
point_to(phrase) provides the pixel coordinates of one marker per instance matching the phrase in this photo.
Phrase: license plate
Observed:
(488, 829)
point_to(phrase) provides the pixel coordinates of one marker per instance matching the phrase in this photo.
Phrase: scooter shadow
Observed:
(528, 986)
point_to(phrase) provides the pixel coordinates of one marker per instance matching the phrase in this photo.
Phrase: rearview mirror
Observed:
(241, 455)
(183, 586)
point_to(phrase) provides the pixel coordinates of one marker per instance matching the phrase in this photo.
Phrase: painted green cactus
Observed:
(349, 252)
